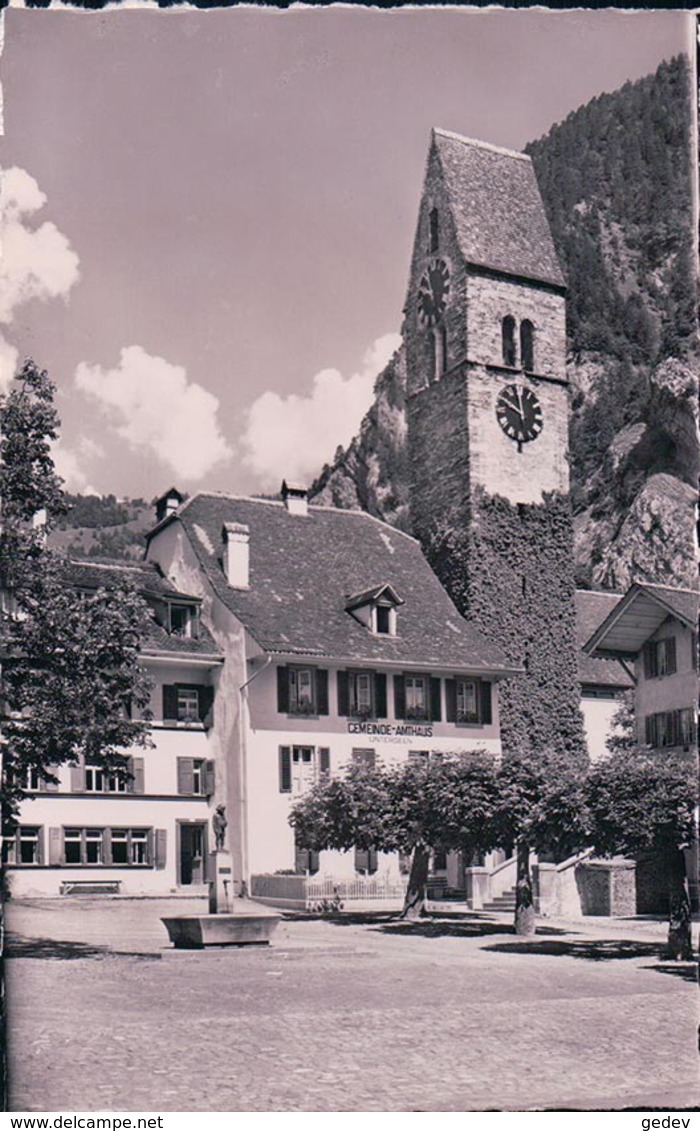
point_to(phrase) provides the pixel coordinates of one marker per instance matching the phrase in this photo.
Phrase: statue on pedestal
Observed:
(219, 824)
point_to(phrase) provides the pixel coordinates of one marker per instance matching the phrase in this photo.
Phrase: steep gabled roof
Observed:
(591, 610)
(497, 208)
(303, 567)
(638, 615)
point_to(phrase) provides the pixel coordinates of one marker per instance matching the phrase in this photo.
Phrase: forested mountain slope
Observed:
(616, 182)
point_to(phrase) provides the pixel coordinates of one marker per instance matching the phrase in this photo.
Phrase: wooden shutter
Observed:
(161, 847)
(380, 695)
(343, 696)
(185, 775)
(137, 782)
(435, 699)
(649, 660)
(77, 778)
(169, 702)
(49, 786)
(209, 778)
(321, 691)
(650, 730)
(399, 697)
(670, 655)
(324, 763)
(283, 689)
(372, 861)
(362, 860)
(55, 847)
(314, 862)
(206, 704)
(486, 712)
(285, 769)
(107, 846)
(451, 700)
(40, 858)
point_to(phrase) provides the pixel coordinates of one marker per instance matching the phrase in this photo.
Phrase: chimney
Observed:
(295, 498)
(236, 538)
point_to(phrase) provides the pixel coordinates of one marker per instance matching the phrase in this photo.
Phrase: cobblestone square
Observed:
(360, 1013)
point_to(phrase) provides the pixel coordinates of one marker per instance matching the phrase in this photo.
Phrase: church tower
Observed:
(485, 340)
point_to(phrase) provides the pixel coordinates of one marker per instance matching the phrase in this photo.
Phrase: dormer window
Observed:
(376, 609)
(183, 620)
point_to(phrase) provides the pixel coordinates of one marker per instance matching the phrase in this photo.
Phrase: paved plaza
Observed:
(360, 1013)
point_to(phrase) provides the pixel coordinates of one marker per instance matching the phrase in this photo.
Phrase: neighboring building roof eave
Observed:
(595, 644)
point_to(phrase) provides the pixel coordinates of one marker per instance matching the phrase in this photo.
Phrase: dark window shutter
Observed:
(161, 848)
(283, 689)
(55, 847)
(343, 697)
(206, 704)
(399, 697)
(321, 691)
(285, 769)
(649, 660)
(435, 703)
(107, 846)
(314, 862)
(380, 695)
(40, 858)
(372, 862)
(362, 860)
(49, 786)
(324, 763)
(672, 728)
(209, 778)
(485, 694)
(169, 702)
(671, 655)
(137, 783)
(650, 730)
(451, 700)
(185, 775)
(77, 778)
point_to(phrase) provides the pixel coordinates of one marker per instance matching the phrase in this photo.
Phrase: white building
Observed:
(150, 835)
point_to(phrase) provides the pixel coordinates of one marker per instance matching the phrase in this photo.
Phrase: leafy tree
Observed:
(70, 671)
(540, 808)
(440, 803)
(622, 736)
(640, 801)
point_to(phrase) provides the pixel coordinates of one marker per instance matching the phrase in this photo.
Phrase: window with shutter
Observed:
(321, 691)
(137, 781)
(209, 778)
(324, 763)
(185, 775)
(78, 779)
(485, 705)
(366, 861)
(170, 703)
(285, 767)
(343, 699)
(435, 699)
(451, 700)
(283, 689)
(161, 848)
(399, 697)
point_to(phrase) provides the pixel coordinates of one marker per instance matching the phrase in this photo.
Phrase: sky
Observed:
(207, 217)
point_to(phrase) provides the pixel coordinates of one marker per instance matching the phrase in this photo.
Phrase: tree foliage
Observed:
(70, 670)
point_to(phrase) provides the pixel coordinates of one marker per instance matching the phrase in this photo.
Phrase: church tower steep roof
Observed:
(497, 208)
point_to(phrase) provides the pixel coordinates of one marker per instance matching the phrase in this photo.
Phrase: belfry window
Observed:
(527, 345)
(508, 340)
(434, 230)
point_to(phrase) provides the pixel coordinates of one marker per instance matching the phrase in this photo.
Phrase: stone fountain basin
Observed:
(249, 924)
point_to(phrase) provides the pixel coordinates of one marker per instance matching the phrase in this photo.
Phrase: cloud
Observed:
(35, 262)
(149, 402)
(292, 437)
(69, 465)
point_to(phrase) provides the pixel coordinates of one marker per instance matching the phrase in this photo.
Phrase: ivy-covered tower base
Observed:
(487, 391)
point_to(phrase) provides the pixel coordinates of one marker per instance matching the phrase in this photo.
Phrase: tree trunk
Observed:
(416, 892)
(680, 942)
(524, 909)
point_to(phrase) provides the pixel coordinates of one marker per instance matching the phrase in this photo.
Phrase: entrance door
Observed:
(192, 853)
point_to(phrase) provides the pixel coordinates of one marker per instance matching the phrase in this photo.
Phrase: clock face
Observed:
(519, 413)
(433, 293)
